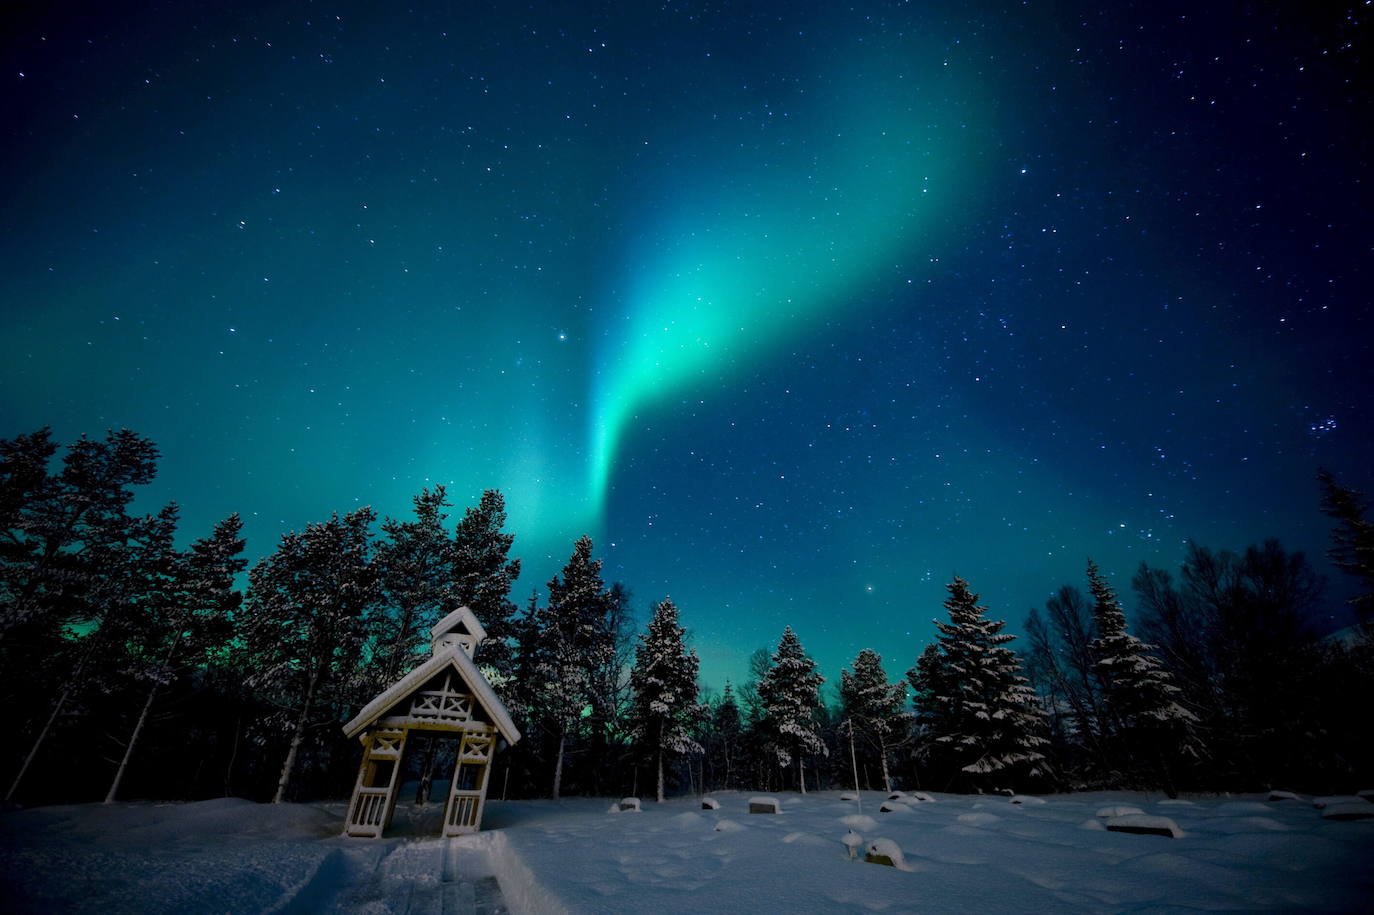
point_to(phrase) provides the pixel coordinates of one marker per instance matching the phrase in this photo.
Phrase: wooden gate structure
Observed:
(446, 694)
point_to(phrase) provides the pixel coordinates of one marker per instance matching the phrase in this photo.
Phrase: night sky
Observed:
(798, 309)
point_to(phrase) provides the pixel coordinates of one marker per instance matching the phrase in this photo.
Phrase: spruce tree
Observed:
(570, 642)
(414, 563)
(987, 719)
(664, 706)
(726, 727)
(790, 696)
(304, 625)
(1143, 702)
(874, 706)
(483, 574)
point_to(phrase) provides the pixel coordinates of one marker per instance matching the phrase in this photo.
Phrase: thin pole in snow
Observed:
(854, 766)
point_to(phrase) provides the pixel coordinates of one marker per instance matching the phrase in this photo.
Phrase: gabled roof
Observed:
(462, 616)
(412, 681)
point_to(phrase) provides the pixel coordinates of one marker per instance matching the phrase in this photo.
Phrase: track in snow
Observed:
(424, 877)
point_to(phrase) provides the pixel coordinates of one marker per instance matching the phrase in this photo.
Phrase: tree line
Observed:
(130, 667)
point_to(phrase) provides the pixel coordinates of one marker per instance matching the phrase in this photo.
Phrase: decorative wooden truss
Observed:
(446, 694)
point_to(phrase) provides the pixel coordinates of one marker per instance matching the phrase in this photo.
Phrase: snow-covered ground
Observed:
(956, 853)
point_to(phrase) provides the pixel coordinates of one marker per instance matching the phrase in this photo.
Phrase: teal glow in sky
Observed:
(826, 196)
(797, 309)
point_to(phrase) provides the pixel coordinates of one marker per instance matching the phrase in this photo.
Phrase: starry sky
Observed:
(798, 309)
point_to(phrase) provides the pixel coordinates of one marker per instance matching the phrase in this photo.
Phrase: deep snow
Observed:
(959, 853)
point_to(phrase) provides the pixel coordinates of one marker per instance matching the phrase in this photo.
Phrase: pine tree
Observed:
(570, 642)
(54, 523)
(1143, 703)
(663, 680)
(986, 716)
(186, 622)
(415, 563)
(874, 706)
(790, 695)
(483, 574)
(129, 563)
(726, 728)
(1352, 541)
(304, 624)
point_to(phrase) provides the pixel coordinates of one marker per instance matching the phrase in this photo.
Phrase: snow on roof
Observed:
(467, 669)
(460, 617)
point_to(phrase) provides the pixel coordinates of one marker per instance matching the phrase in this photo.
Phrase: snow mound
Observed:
(1234, 808)
(1027, 800)
(804, 838)
(710, 803)
(1176, 802)
(897, 796)
(1118, 810)
(1092, 824)
(630, 805)
(1366, 793)
(1349, 810)
(729, 826)
(922, 797)
(978, 819)
(1234, 825)
(859, 821)
(764, 804)
(1283, 796)
(849, 796)
(894, 807)
(1144, 824)
(1323, 802)
(888, 852)
(852, 840)
(687, 820)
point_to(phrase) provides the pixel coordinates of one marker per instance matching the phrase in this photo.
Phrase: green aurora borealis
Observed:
(764, 238)
(798, 310)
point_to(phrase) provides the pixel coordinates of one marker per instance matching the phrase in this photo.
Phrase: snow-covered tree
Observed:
(62, 535)
(1143, 703)
(790, 695)
(130, 564)
(873, 706)
(1061, 665)
(52, 524)
(568, 641)
(414, 564)
(304, 624)
(184, 623)
(483, 574)
(985, 716)
(664, 705)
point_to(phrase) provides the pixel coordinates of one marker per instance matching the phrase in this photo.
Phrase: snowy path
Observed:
(424, 877)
